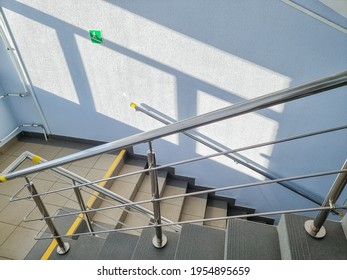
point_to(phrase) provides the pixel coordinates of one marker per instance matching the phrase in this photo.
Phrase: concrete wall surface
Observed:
(185, 58)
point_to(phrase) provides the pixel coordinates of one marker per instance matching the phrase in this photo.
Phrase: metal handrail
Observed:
(186, 161)
(247, 106)
(234, 157)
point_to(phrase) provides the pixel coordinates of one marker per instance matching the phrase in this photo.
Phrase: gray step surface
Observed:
(246, 240)
(118, 246)
(296, 244)
(84, 248)
(200, 243)
(146, 251)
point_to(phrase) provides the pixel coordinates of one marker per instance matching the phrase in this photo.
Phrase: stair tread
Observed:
(298, 245)
(146, 251)
(248, 240)
(118, 246)
(200, 243)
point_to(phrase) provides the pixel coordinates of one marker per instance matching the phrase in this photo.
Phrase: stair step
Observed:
(146, 251)
(194, 208)
(296, 244)
(248, 240)
(118, 246)
(126, 187)
(216, 208)
(200, 243)
(133, 218)
(171, 209)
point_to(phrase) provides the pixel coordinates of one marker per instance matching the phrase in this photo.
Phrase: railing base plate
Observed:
(309, 229)
(160, 245)
(62, 251)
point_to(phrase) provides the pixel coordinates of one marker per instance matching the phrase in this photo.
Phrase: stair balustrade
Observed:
(160, 240)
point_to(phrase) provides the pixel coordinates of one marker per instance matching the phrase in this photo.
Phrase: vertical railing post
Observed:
(159, 240)
(83, 208)
(315, 227)
(63, 247)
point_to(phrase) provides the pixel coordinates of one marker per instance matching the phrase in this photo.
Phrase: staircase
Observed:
(237, 239)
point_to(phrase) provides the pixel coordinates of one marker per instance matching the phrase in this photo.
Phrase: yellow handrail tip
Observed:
(3, 178)
(36, 159)
(133, 105)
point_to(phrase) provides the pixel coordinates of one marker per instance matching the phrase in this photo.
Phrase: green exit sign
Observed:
(95, 36)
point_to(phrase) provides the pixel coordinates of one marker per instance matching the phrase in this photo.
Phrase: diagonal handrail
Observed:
(235, 157)
(268, 100)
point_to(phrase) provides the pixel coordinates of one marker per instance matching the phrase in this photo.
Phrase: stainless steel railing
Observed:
(308, 89)
(232, 154)
(63, 247)
(315, 87)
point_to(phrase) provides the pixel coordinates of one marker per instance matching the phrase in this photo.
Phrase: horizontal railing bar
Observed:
(312, 175)
(79, 179)
(25, 125)
(186, 161)
(247, 106)
(271, 213)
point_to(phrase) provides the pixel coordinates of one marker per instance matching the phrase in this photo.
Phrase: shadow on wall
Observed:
(253, 36)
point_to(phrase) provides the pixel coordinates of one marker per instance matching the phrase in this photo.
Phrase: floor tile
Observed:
(9, 188)
(95, 174)
(5, 231)
(35, 214)
(14, 212)
(27, 147)
(18, 245)
(4, 201)
(48, 152)
(87, 162)
(105, 161)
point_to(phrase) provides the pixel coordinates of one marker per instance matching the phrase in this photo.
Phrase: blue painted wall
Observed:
(185, 58)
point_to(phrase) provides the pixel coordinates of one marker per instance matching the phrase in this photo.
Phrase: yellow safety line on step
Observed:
(49, 250)
(90, 202)
(107, 175)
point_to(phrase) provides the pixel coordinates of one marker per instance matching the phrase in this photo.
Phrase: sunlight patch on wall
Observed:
(237, 132)
(116, 80)
(195, 58)
(47, 69)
